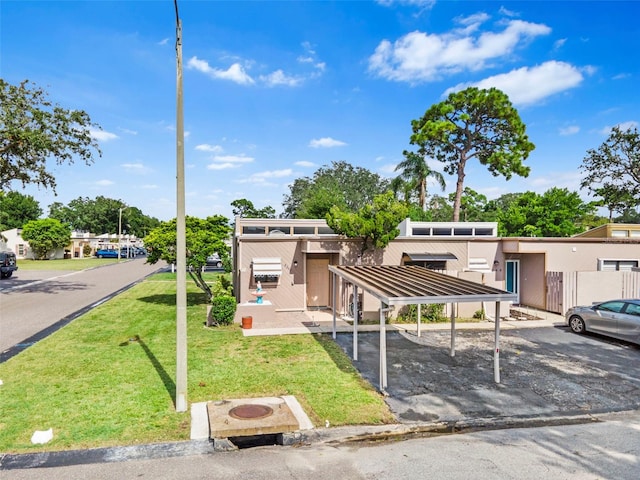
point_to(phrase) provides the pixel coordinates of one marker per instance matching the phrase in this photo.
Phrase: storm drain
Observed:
(251, 422)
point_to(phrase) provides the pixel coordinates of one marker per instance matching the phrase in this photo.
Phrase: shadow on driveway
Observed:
(544, 372)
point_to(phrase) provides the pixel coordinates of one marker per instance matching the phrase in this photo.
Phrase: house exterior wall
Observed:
(537, 257)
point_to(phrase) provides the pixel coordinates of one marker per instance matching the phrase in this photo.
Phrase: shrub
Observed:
(223, 309)
(222, 286)
(86, 250)
(428, 313)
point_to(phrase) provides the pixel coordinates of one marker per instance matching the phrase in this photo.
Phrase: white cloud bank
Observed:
(326, 142)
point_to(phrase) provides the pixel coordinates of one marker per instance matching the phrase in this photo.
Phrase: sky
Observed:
(275, 90)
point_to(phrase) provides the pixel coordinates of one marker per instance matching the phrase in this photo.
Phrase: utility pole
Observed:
(181, 247)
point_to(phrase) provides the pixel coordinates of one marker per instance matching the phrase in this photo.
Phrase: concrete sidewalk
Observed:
(296, 323)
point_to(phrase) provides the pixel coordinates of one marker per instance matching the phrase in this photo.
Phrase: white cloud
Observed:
(222, 166)
(102, 135)
(528, 85)
(128, 131)
(420, 57)
(304, 163)
(138, 168)
(280, 78)
(388, 169)
(263, 177)
(416, 3)
(233, 159)
(164, 41)
(104, 183)
(204, 147)
(234, 73)
(326, 142)
(570, 130)
(623, 126)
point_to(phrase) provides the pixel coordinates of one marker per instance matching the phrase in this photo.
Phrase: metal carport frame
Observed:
(413, 285)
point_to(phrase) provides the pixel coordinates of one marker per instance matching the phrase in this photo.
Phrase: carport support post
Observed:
(383, 348)
(419, 312)
(496, 352)
(355, 322)
(335, 280)
(453, 330)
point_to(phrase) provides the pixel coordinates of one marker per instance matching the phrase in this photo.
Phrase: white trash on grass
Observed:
(42, 436)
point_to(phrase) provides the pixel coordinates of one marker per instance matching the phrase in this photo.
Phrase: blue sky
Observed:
(275, 90)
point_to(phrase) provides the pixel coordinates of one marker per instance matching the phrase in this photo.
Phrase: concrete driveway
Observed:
(545, 372)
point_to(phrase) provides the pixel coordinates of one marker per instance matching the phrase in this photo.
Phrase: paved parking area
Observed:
(545, 372)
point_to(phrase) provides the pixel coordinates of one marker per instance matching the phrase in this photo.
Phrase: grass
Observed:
(108, 378)
(64, 264)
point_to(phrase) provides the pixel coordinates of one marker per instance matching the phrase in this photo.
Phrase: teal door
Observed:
(513, 277)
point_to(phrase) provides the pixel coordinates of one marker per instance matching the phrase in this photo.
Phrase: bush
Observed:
(223, 310)
(428, 313)
(222, 286)
(86, 250)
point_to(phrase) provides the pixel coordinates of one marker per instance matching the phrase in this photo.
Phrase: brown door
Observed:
(317, 282)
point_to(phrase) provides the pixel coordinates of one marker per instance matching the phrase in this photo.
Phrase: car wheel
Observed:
(219, 264)
(99, 256)
(577, 324)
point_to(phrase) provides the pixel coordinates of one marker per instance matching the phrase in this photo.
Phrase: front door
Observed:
(512, 268)
(318, 282)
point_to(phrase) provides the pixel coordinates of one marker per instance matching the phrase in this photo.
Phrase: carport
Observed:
(413, 285)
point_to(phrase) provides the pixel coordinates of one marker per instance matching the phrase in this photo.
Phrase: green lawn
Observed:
(64, 264)
(108, 378)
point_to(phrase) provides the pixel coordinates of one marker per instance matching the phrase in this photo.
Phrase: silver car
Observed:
(614, 318)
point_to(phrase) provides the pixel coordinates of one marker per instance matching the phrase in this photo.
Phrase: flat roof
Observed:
(413, 285)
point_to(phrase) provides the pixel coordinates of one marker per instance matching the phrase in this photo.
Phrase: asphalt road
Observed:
(34, 302)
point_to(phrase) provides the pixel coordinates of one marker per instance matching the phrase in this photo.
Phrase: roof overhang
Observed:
(429, 257)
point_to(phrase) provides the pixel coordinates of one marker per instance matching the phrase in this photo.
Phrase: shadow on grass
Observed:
(166, 379)
(193, 298)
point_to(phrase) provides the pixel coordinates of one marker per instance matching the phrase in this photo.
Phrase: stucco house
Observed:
(291, 260)
(12, 240)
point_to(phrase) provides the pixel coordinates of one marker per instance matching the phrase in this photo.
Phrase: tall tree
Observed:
(612, 172)
(474, 123)
(556, 213)
(341, 185)
(45, 236)
(17, 209)
(33, 130)
(204, 237)
(375, 223)
(245, 208)
(415, 170)
(103, 215)
(472, 205)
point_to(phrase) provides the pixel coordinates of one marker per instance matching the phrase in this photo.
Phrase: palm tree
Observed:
(414, 169)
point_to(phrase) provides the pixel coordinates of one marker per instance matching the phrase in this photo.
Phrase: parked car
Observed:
(107, 253)
(214, 261)
(615, 318)
(8, 264)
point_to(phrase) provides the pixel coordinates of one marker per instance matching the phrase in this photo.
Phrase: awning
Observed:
(429, 257)
(267, 266)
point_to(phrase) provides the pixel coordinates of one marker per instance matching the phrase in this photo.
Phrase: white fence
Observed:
(568, 289)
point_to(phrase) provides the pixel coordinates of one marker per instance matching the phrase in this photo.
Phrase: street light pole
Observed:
(181, 247)
(119, 233)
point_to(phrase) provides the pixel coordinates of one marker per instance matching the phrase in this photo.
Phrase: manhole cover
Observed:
(250, 412)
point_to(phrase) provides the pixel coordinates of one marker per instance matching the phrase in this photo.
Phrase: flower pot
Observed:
(247, 322)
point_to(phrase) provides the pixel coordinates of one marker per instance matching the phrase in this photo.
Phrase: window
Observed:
(611, 306)
(248, 230)
(21, 250)
(617, 265)
(633, 309)
(325, 231)
(304, 230)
